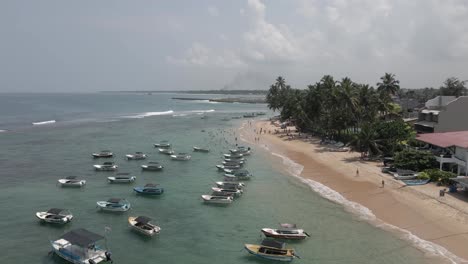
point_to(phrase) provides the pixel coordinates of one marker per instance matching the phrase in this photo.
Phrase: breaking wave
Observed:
(148, 114)
(43, 122)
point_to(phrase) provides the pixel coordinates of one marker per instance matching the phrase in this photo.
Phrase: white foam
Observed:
(364, 213)
(43, 122)
(147, 114)
(177, 115)
(202, 111)
(1, 130)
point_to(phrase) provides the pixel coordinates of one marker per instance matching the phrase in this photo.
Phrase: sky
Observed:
(100, 45)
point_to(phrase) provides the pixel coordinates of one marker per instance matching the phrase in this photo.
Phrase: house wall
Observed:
(439, 101)
(461, 153)
(454, 117)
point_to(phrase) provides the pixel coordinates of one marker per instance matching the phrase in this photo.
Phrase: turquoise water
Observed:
(33, 158)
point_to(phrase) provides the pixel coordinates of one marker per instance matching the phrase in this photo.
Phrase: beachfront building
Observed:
(449, 148)
(443, 114)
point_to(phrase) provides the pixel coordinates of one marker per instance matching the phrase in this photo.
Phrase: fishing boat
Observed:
(239, 174)
(181, 156)
(240, 163)
(230, 167)
(71, 181)
(223, 191)
(79, 247)
(152, 166)
(121, 178)
(213, 199)
(103, 154)
(240, 149)
(166, 151)
(199, 149)
(106, 166)
(136, 156)
(163, 144)
(405, 175)
(149, 189)
(271, 249)
(235, 160)
(260, 113)
(114, 205)
(55, 216)
(416, 182)
(143, 225)
(230, 185)
(233, 156)
(249, 115)
(292, 233)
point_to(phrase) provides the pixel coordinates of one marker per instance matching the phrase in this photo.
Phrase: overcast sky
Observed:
(95, 45)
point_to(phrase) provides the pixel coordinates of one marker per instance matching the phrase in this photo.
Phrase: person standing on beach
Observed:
(357, 172)
(383, 183)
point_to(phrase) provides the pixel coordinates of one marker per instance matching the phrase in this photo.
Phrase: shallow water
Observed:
(33, 158)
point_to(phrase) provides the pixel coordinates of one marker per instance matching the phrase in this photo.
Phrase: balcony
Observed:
(450, 159)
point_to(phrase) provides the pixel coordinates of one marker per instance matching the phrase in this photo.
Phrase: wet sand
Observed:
(417, 209)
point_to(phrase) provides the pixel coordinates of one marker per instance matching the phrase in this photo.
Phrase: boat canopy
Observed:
(82, 237)
(287, 225)
(139, 152)
(151, 185)
(55, 211)
(273, 243)
(143, 219)
(114, 200)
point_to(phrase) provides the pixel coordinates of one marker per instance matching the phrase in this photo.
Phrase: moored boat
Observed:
(228, 167)
(149, 189)
(233, 156)
(224, 191)
(239, 174)
(103, 154)
(79, 247)
(143, 225)
(217, 199)
(233, 163)
(106, 166)
(136, 156)
(152, 166)
(71, 181)
(166, 151)
(235, 160)
(285, 233)
(405, 175)
(181, 156)
(271, 249)
(55, 216)
(230, 185)
(200, 149)
(416, 182)
(114, 205)
(121, 178)
(163, 144)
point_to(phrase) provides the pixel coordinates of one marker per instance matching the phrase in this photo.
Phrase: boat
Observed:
(230, 185)
(235, 160)
(55, 216)
(152, 166)
(233, 163)
(292, 233)
(236, 117)
(226, 191)
(106, 166)
(79, 247)
(271, 249)
(249, 115)
(142, 224)
(121, 178)
(217, 199)
(149, 189)
(233, 156)
(239, 174)
(181, 156)
(199, 149)
(114, 205)
(416, 182)
(260, 113)
(71, 181)
(225, 167)
(163, 144)
(240, 149)
(103, 154)
(166, 151)
(405, 175)
(136, 156)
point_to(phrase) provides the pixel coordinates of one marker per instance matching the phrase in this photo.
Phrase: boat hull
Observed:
(151, 168)
(254, 250)
(157, 191)
(126, 180)
(62, 219)
(209, 200)
(105, 168)
(99, 255)
(113, 208)
(273, 234)
(154, 230)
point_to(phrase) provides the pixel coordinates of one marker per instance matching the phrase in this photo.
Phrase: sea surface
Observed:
(69, 127)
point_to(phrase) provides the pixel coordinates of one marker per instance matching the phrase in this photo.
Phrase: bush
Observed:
(440, 176)
(416, 160)
(423, 176)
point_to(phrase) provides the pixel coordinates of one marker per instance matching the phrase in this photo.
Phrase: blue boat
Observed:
(149, 189)
(415, 182)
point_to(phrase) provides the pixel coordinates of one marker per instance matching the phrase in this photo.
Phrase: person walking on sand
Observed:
(383, 183)
(357, 172)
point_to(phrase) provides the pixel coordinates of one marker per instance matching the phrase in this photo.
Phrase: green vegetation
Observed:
(439, 176)
(416, 160)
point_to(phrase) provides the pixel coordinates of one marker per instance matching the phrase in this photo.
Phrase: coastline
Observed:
(434, 225)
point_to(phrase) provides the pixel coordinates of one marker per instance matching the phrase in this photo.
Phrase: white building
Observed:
(443, 114)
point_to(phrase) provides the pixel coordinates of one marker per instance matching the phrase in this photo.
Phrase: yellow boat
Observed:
(271, 249)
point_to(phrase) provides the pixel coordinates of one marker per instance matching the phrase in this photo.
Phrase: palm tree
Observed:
(389, 84)
(366, 140)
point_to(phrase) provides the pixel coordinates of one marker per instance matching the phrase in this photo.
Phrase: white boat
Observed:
(114, 205)
(106, 166)
(199, 149)
(71, 181)
(142, 224)
(285, 233)
(55, 216)
(181, 156)
(230, 185)
(271, 249)
(163, 144)
(222, 191)
(136, 156)
(241, 150)
(152, 166)
(233, 163)
(121, 178)
(235, 160)
(79, 247)
(225, 167)
(239, 174)
(405, 175)
(166, 151)
(217, 199)
(103, 154)
(233, 156)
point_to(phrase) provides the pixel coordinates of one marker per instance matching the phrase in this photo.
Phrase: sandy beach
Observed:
(411, 212)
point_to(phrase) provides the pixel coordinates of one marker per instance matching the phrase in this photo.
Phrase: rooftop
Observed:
(447, 139)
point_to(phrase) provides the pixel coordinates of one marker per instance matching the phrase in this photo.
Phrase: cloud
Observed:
(213, 11)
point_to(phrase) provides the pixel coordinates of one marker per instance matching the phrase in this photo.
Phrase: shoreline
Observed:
(413, 213)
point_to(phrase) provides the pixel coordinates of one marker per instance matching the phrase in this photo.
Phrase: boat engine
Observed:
(108, 256)
(91, 261)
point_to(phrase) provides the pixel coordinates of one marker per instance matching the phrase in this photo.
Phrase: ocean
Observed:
(69, 127)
